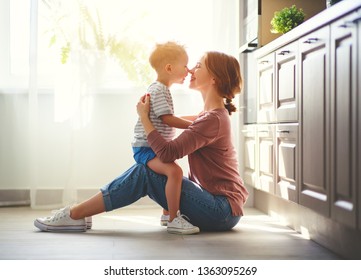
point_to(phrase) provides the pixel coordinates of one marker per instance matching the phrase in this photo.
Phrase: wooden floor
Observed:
(135, 234)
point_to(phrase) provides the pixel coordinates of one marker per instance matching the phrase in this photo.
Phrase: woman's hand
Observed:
(143, 106)
(143, 109)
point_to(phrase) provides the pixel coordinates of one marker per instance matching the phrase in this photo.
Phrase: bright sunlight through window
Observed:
(111, 39)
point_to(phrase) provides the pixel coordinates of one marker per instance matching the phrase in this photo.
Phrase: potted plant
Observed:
(287, 19)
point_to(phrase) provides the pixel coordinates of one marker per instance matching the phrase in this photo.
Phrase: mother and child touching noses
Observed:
(213, 196)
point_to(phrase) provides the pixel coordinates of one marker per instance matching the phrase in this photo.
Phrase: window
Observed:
(111, 37)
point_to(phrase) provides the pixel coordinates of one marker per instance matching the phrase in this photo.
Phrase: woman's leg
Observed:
(207, 211)
(90, 207)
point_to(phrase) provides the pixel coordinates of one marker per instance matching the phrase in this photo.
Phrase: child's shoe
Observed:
(179, 225)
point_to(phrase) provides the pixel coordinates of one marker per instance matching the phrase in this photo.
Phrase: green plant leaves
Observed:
(287, 19)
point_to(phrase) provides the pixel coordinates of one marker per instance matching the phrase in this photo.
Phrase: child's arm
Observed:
(176, 122)
(189, 118)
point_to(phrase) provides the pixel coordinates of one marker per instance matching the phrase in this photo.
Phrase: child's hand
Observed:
(143, 106)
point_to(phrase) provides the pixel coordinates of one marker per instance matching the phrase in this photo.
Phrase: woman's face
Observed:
(200, 77)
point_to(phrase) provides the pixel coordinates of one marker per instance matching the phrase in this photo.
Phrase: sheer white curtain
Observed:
(77, 117)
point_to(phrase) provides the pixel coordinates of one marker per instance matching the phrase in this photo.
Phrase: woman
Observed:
(213, 196)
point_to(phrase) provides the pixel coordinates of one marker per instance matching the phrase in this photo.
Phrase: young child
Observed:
(169, 60)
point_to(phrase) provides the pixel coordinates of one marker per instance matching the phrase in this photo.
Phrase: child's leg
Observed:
(174, 183)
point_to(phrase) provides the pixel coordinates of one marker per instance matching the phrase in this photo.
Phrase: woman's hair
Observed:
(227, 74)
(165, 53)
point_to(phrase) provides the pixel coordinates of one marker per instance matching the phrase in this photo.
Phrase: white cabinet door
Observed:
(265, 84)
(266, 158)
(314, 134)
(343, 122)
(249, 155)
(286, 83)
(287, 161)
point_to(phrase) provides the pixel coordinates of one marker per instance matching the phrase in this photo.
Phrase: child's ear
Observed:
(168, 67)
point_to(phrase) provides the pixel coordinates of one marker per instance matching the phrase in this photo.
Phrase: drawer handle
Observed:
(264, 62)
(284, 52)
(310, 41)
(356, 20)
(283, 131)
(347, 24)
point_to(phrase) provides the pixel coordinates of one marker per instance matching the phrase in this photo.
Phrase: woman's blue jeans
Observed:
(207, 211)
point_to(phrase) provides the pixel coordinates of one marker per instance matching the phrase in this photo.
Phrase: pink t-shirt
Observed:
(212, 158)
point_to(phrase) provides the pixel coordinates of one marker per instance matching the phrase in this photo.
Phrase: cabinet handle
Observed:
(356, 20)
(264, 62)
(350, 23)
(284, 52)
(310, 40)
(283, 131)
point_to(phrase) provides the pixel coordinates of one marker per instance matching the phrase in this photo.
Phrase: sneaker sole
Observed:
(164, 223)
(183, 232)
(73, 228)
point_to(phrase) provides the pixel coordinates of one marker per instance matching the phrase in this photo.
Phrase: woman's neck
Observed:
(212, 101)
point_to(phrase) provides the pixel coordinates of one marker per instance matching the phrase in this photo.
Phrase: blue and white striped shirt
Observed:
(161, 103)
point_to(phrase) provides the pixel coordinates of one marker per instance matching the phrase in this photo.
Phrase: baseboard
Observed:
(342, 240)
(53, 198)
(18, 197)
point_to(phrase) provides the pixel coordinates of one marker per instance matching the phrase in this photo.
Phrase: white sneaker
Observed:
(164, 220)
(179, 225)
(60, 221)
(88, 220)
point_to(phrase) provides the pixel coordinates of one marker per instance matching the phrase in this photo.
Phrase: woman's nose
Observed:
(191, 71)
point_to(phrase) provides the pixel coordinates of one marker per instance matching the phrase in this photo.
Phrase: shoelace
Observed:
(182, 219)
(58, 215)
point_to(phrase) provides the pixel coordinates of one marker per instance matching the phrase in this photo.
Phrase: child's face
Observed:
(180, 69)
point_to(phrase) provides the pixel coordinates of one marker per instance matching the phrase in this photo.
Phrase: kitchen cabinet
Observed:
(249, 158)
(287, 161)
(308, 130)
(265, 89)
(314, 129)
(343, 120)
(265, 145)
(286, 83)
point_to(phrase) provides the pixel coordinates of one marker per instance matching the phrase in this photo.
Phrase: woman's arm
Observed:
(199, 134)
(202, 132)
(176, 122)
(143, 108)
(189, 118)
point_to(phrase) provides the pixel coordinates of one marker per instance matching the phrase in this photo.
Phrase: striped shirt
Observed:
(161, 103)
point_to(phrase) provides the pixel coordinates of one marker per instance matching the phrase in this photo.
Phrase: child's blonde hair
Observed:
(165, 53)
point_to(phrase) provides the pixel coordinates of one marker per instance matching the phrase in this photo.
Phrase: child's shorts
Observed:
(143, 154)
